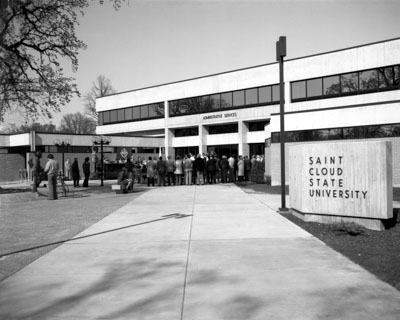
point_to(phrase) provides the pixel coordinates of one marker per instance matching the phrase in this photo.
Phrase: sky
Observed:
(151, 42)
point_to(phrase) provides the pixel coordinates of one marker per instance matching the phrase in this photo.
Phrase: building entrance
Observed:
(224, 150)
(182, 151)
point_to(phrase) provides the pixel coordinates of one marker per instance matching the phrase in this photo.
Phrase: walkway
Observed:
(199, 252)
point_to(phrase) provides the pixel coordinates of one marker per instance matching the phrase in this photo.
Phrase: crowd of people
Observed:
(191, 169)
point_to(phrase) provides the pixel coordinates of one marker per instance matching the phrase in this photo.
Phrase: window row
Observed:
(148, 111)
(364, 132)
(227, 100)
(385, 78)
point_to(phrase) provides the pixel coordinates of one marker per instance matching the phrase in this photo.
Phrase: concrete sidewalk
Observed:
(196, 252)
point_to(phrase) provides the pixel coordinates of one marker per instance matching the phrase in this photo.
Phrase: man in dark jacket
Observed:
(224, 165)
(211, 169)
(198, 167)
(247, 168)
(162, 171)
(86, 172)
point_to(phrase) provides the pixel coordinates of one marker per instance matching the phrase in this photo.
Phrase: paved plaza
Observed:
(196, 252)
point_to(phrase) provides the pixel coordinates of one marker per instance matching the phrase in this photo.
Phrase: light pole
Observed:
(101, 140)
(280, 53)
(62, 143)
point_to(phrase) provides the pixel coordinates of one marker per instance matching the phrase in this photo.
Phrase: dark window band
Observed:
(362, 132)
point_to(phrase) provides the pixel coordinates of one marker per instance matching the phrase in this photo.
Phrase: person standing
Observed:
(151, 171)
(86, 172)
(231, 161)
(240, 168)
(36, 172)
(198, 167)
(75, 172)
(178, 170)
(162, 171)
(211, 166)
(51, 169)
(170, 171)
(224, 165)
(247, 168)
(188, 165)
(67, 166)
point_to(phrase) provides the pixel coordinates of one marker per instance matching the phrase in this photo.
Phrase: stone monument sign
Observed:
(350, 181)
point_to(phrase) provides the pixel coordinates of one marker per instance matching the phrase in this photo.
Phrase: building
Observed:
(17, 149)
(348, 94)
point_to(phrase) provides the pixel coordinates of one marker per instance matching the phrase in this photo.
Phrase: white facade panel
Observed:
(221, 139)
(185, 141)
(336, 118)
(131, 126)
(256, 137)
(19, 140)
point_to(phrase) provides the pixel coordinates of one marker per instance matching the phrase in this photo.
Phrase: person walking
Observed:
(67, 166)
(75, 172)
(170, 171)
(51, 169)
(178, 170)
(162, 171)
(151, 171)
(198, 167)
(86, 172)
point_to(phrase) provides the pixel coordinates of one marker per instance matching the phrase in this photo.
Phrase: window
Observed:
(258, 126)
(368, 80)
(227, 128)
(136, 113)
(113, 116)
(101, 118)
(144, 112)
(153, 110)
(388, 77)
(314, 88)
(128, 113)
(184, 132)
(349, 82)
(298, 90)
(276, 95)
(265, 94)
(215, 101)
(106, 116)
(121, 115)
(331, 85)
(226, 100)
(251, 96)
(238, 98)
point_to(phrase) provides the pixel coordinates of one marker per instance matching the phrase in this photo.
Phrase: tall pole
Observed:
(63, 165)
(280, 53)
(102, 162)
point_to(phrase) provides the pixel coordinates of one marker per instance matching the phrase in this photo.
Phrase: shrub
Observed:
(349, 228)
(257, 172)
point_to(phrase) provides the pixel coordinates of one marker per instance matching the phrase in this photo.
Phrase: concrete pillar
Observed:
(244, 148)
(169, 134)
(203, 133)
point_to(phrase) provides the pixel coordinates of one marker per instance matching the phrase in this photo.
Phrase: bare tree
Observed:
(101, 87)
(35, 36)
(77, 123)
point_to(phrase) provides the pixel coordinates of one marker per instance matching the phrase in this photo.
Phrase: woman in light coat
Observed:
(240, 168)
(178, 170)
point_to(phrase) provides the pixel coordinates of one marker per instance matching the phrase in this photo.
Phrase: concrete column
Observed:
(203, 133)
(169, 134)
(244, 148)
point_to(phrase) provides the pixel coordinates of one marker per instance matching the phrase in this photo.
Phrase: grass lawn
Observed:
(376, 251)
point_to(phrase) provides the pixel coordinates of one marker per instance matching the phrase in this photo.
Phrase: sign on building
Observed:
(342, 180)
